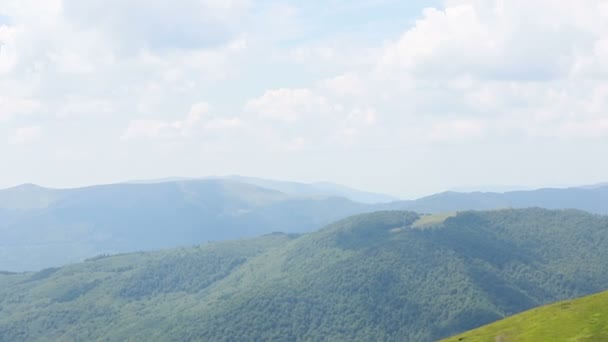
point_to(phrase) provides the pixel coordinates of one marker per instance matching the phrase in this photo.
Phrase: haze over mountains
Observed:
(385, 276)
(41, 227)
(293, 188)
(45, 227)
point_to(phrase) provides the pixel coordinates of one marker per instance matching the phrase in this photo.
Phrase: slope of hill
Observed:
(46, 227)
(392, 276)
(317, 189)
(29, 196)
(583, 319)
(324, 189)
(594, 200)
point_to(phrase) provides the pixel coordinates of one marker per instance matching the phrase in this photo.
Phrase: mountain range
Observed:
(42, 227)
(324, 189)
(384, 276)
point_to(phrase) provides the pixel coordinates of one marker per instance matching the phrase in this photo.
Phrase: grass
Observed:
(426, 221)
(583, 319)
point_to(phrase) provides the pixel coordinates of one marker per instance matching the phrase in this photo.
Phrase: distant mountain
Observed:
(582, 319)
(317, 189)
(594, 200)
(29, 196)
(385, 276)
(595, 186)
(492, 188)
(324, 189)
(42, 227)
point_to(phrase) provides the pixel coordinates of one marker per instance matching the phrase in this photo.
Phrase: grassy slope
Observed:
(364, 278)
(583, 319)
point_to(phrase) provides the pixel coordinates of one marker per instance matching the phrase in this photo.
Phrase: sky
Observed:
(401, 97)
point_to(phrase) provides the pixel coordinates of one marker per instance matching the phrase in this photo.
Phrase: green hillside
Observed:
(583, 319)
(385, 276)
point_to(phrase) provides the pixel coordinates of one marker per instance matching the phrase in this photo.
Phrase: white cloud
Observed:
(27, 135)
(198, 118)
(306, 54)
(8, 53)
(160, 25)
(354, 125)
(594, 64)
(82, 108)
(13, 106)
(295, 144)
(219, 124)
(456, 130)
(71, 62)
(344, 85)
(71, 153)
(288, 105)
(157, 129)
(593, 128)
(514, 40)
(363, 116)
(347, 136)
(476, 72)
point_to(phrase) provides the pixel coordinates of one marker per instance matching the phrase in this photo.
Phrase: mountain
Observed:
(595, 186)
(323, 189)
(384, 276)
(594, 200)
(42, 227)
(317, 189)
(492, 188)
(29, 196)
(582, 319)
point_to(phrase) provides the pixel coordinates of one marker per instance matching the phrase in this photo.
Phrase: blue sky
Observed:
(402, 97)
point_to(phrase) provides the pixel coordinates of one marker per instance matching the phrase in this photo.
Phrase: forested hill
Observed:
(392, 276)
(582, 319)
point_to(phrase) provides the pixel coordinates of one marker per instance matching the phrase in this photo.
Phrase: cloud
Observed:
(295, 144)
(476, 73)
(27, 135)
(11, 106)
(354, 125)
(8, 54)
(594, 64)
(363, 116)
(71, 62)
(456, 130)
(220, 124)
(198, 118)
(71, 153)
(496, 40)
(157, 129)
(348, 84)
(288, 105)
(83, 108)
(592, 128)
(160, 25)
